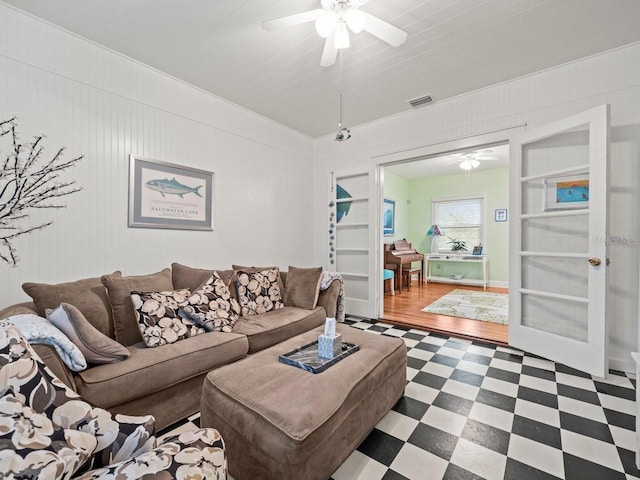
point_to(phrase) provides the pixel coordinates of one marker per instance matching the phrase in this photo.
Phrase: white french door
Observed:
(352, 239)
(558, 248)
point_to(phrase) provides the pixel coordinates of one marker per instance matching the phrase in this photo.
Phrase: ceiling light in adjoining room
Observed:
(469, 164)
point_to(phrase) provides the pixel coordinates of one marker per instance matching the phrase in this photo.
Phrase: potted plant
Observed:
(457, 245)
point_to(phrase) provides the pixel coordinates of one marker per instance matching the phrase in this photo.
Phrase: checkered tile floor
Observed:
(476, 411)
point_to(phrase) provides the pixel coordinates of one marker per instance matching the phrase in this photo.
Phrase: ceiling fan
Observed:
(333, 22)
(470, 160)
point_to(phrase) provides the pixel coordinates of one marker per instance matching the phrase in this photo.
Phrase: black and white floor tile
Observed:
(472, 410)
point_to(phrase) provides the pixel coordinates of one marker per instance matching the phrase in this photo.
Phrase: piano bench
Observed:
(409, 273)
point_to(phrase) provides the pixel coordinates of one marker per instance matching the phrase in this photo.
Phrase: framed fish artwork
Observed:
(567, 192)
(166, 195)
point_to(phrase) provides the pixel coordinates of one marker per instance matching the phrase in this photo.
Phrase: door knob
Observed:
(594, 261)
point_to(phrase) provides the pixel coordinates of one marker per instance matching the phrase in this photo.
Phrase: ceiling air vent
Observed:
(416, 102)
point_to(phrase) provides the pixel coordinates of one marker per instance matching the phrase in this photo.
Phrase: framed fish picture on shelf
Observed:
(166, 195)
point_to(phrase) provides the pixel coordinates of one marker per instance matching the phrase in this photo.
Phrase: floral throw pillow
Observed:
(259, 292)
(212, 306)
(160, 318)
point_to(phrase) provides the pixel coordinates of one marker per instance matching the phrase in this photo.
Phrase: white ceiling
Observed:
(454, 46)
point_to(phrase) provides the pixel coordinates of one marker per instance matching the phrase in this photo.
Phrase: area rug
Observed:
(476, 305)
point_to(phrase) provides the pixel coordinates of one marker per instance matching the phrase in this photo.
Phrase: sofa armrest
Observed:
(329, 299)
(18, 309)
(46, 352)
(52, 360)
(188, 455)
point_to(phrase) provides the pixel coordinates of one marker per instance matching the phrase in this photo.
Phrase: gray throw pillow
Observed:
(188, 277)
(302, 287)
(96, 347)
(87, 295)
(119, 290)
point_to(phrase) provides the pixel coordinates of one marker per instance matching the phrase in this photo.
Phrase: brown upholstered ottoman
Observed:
(282, 422)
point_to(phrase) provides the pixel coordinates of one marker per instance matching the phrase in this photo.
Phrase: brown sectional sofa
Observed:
(167, 381)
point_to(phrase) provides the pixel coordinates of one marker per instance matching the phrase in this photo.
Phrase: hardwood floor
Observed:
(406, 309)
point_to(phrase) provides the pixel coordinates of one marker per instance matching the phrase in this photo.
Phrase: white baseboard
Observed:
(498, 284)
(627, 366)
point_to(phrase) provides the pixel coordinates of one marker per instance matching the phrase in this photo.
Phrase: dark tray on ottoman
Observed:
(307, 358)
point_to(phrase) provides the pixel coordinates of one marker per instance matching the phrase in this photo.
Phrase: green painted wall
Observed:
(494, 184)
(397, 188)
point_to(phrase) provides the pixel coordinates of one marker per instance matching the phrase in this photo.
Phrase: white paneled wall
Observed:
(105, 106)
(534, 100)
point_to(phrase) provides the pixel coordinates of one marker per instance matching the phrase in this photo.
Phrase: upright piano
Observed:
(398, 256)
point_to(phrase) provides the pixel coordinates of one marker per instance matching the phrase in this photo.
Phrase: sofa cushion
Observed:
(212, 306)
(194, 278)
(149, 370)
(273, 327)
(160, 318)
(88, 295)
(302, 287)
(119, 290)
(259, 292)
(96, 347)
(188, 277)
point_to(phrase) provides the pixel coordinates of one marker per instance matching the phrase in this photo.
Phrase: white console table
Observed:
(475, 259)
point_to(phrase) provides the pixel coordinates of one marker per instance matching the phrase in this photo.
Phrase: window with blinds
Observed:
(460, 218)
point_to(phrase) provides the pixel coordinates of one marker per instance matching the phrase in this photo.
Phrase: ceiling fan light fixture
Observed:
(333, 22)
(341, 38)
(356, 20)
(326, 23)
(469, 164)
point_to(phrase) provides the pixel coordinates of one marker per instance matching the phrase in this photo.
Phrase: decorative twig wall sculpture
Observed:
(27, 181)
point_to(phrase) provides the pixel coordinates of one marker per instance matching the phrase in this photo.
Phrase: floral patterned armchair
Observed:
(48, 432)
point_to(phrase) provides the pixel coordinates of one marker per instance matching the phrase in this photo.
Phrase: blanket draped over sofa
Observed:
(39, 330)
(325, 282)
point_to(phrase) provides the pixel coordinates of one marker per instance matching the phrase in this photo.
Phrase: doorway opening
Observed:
(467, 192)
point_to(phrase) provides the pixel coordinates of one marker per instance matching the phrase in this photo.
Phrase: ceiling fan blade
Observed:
(292, 20)
(329, 53)
(385, 31)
